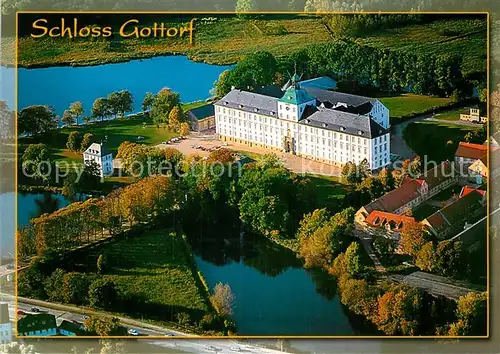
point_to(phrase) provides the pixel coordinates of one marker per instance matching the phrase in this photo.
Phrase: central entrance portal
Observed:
(288, 143)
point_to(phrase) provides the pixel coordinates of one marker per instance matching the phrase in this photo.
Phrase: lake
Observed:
(60, 86)
(274, 294)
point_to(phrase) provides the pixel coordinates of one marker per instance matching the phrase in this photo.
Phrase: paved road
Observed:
(171, 337)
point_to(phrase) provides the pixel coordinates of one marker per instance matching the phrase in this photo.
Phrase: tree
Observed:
(102, 293)
(412, 238)
(221, 155)
(91, 175)
(75, 288)
(148, 101)
(68, 118)
(120, 102)
(398, 311)
(87, 140)
(37, 162)
(311, 222)
(165, 101)
(372, 187)
(350, 173)
(449, 259)
(25, 243)
(471, 314)
(175, 118)
(102, 326)
(358, 296)
(183, 318)
(426, 258)
(76, 110)
(69, 186)
(74, 141)
(223, 299)
(101, 108)
(353, 260)
(184, 129)
(35, 120)
(101, 264)
(387, 179)
(54, 284)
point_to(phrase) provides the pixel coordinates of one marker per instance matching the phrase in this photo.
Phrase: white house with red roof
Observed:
(387, 224)
(468, 153)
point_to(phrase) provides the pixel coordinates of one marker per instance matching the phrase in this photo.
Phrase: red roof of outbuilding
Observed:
(471, 151)
(380, 218)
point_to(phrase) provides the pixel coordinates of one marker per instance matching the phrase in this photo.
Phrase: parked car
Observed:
(85, 317)
(35, 309)
(10, 266)
(20, 312)
(165, 142)
(133, 332)
(235, 348)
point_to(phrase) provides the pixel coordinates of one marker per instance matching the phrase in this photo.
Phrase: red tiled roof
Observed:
(380, 218)
(466, 190)
(396, 198)
(439, 174)
(471, 151)
(456, 212)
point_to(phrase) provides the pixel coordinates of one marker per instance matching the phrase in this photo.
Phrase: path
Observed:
(366, 241)
(294, 163)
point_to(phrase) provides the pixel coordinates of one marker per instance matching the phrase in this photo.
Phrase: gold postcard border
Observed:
(215, 13)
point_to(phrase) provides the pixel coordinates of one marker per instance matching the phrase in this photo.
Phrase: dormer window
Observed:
(241, 106)
(360, 132)
(307, 121)
(325, 125)
(225, 103)
(287, 108)
(290, 98)
(255, 109)
(272, 113)
(342, 129)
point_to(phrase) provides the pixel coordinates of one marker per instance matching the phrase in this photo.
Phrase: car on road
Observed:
(35, 309)
(212, 348)
(235, 348)
(10, 266)
(85, 317)
(133, 332)
(20, 312)
(169, 334)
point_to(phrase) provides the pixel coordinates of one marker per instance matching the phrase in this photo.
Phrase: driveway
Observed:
(294, 163)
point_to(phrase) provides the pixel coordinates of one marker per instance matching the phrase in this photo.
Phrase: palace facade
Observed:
(327, 126)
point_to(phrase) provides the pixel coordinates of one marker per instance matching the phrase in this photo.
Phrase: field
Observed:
(151, 272)
(436, 141)
(226, 40)
(465, 37)
(221, 42)
(116, 131)
(408, 104)
(330, 192)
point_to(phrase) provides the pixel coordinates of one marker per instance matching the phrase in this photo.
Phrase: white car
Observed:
(133, 332)
(235, 348)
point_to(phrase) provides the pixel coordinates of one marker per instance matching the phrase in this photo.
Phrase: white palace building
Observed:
(327, 126)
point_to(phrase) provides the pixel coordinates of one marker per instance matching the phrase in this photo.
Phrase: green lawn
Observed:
(152, 274)
(407, 104)
(330, 192)
(438, 141)
(423, 211)
(466, 36)
(116, 131)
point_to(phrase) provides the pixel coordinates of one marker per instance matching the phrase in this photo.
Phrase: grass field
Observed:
(407, 104)
(438, 141)
(151, 271)
(221, 42)
(229, 38)
(116, 131)
(330, 192)
(465, 37)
